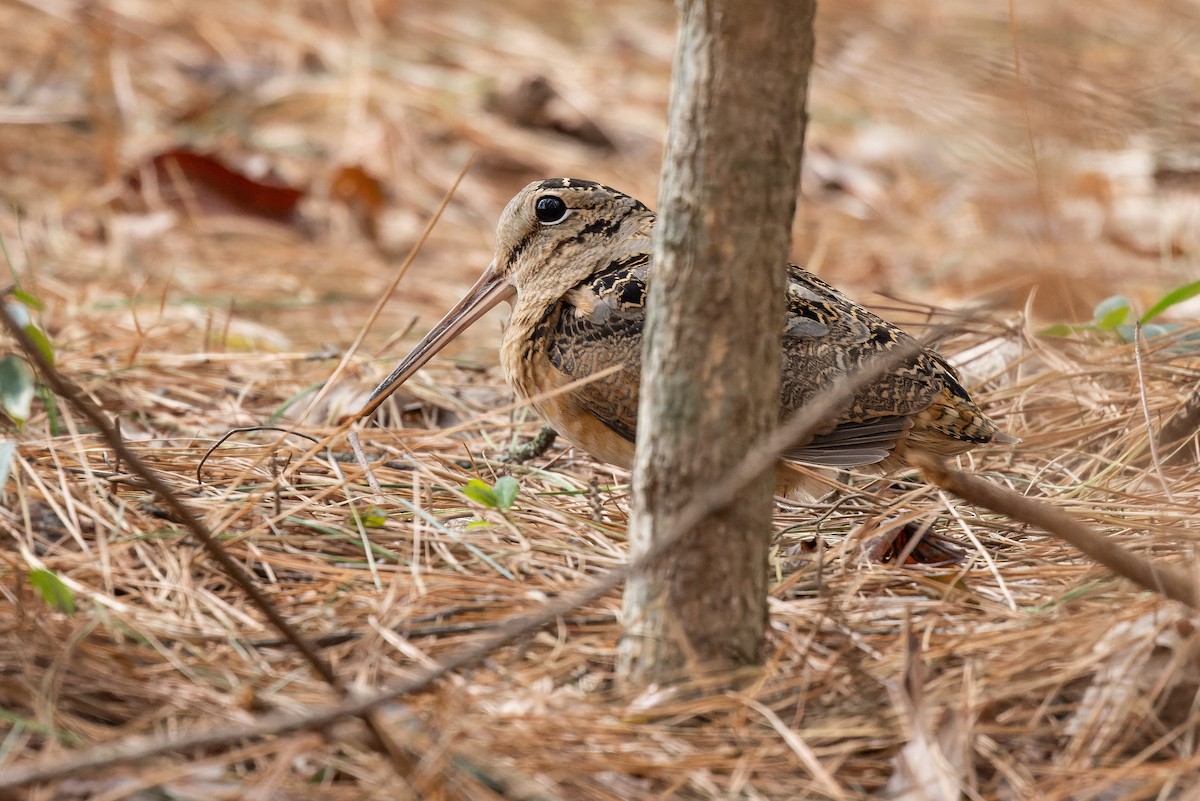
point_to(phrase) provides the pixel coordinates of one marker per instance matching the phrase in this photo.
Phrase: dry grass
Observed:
(1029, 671)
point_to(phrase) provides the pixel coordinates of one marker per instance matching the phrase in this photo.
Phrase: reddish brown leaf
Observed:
(215, 187)
(930, 548)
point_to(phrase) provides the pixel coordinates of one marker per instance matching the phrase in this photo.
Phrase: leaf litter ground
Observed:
(1019, 670)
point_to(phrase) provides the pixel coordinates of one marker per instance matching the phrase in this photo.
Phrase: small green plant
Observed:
(500, 495)
(51, 589)
(1115, 315)
(371, 517)
(17, 386)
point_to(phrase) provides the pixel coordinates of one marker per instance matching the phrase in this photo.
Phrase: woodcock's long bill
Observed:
(574, 259)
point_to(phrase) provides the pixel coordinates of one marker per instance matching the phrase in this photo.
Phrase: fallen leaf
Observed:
(211, 186)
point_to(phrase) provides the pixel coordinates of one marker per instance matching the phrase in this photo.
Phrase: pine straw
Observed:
(1064, 682)
(1036, 673)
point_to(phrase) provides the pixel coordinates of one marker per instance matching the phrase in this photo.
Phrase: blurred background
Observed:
(264, 166)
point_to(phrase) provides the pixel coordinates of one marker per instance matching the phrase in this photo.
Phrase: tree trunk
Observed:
(710, 381)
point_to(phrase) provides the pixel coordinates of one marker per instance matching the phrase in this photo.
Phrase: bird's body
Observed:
(574, 257)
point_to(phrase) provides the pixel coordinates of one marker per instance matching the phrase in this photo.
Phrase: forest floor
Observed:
(208, 200)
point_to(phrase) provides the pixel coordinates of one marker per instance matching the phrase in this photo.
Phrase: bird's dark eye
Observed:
(550, 209)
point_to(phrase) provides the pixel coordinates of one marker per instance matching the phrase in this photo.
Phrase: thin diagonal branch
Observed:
(183, 515)
(1164, 579)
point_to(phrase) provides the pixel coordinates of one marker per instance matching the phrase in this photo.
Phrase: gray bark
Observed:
(710, 382)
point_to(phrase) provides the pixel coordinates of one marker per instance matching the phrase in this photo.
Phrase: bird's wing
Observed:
(828, 336)
(596, 326)
(853, 444)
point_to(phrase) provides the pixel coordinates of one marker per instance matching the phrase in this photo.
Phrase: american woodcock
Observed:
(574, 259)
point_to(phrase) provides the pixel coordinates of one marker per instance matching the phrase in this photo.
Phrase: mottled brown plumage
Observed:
(574, 258)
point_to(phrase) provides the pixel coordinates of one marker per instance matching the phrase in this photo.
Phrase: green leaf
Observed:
(16, 389)
(1060, 330)
(42, 341)
(52, 590)
(8, 449)
(20, 313)
(1177, 295)
(28, 299)
(373, 517)
(481, 493)
(479, 524)
(506, 490)
(1111, 312)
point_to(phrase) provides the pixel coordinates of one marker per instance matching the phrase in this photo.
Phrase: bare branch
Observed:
(1169, 581)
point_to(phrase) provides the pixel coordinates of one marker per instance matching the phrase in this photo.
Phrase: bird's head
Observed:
(553, 235)
(556, 233)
